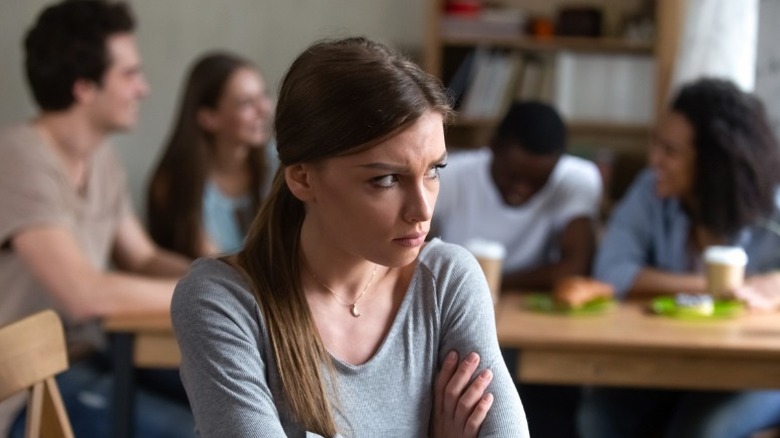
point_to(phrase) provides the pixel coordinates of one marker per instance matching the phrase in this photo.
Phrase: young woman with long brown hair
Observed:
(337, 318)
(216, 166)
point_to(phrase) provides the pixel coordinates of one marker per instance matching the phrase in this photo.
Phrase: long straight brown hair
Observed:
(339, 97)
(175, 192)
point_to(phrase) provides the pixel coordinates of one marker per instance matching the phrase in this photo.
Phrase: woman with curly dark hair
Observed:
(713, 180)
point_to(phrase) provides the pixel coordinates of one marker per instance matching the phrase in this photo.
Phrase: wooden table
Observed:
(137, 340)
(624, 347)
(628, 346)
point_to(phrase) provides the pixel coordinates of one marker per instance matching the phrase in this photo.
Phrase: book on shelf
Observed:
(487, 81)
(507, 93)
(461, 79)
(531, 81)
(476, 88)
(612, 88)
(537, 80)
(489, 91)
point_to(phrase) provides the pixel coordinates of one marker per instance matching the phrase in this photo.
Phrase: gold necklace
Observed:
(353, 305)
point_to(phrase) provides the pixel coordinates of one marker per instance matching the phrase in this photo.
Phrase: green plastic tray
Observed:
(721, 309)
(541, 302)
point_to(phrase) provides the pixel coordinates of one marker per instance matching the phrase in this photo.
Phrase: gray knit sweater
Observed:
(231, 377)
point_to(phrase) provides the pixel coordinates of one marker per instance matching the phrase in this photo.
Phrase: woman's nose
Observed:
(420, 204)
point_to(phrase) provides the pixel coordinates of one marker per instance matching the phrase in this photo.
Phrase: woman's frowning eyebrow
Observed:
(395, 168)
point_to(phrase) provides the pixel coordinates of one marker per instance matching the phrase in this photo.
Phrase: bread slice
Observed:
(575, 292)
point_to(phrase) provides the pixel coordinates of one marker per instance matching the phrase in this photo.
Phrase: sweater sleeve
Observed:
(223, 367)
(468, 324)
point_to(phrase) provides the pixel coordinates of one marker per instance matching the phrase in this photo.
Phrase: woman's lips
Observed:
(411, 240)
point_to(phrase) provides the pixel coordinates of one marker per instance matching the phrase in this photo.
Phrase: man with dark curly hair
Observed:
(66, 213)
(713, 180)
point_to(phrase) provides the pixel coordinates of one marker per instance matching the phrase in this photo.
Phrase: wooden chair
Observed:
(32, 352)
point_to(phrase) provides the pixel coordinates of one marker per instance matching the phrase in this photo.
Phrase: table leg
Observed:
(124, 385)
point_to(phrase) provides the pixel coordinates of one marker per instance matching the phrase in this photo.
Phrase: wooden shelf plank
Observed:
(609, 128)
(577, 127)
(552, 44)
(469, 122)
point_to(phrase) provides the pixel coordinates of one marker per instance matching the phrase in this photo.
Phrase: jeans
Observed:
(87, 391)
(636, 413)
(550, 409)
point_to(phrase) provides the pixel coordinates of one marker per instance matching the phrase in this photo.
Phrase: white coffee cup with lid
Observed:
(490, 255)
(724, 268)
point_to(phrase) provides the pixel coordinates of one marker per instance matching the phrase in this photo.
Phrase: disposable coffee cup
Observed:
(724, 268)
(490, 255)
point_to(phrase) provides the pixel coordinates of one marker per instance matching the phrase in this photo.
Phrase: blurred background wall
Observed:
(768, 60)
(171, 33)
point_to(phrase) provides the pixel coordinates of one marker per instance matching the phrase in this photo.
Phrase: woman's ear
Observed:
(207, 119)
(299, 180)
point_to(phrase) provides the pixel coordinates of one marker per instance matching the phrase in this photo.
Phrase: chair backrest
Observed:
(32, 352)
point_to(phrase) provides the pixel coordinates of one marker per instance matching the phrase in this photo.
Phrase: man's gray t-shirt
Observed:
(36, 192)
(230, 374)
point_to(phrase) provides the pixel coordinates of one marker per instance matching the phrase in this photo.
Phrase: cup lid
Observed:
(731, 255)
(486, 248)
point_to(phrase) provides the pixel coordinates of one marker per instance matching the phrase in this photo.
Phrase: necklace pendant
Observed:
(354, 311)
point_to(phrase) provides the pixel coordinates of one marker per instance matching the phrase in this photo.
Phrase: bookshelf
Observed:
(450, 42)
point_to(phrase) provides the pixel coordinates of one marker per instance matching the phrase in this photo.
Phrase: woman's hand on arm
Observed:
(761, 292)
(460, 405)
(654, 281)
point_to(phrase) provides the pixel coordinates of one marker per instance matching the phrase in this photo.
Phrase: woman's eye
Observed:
(435, 171)
(668, 150)
(386, 181)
